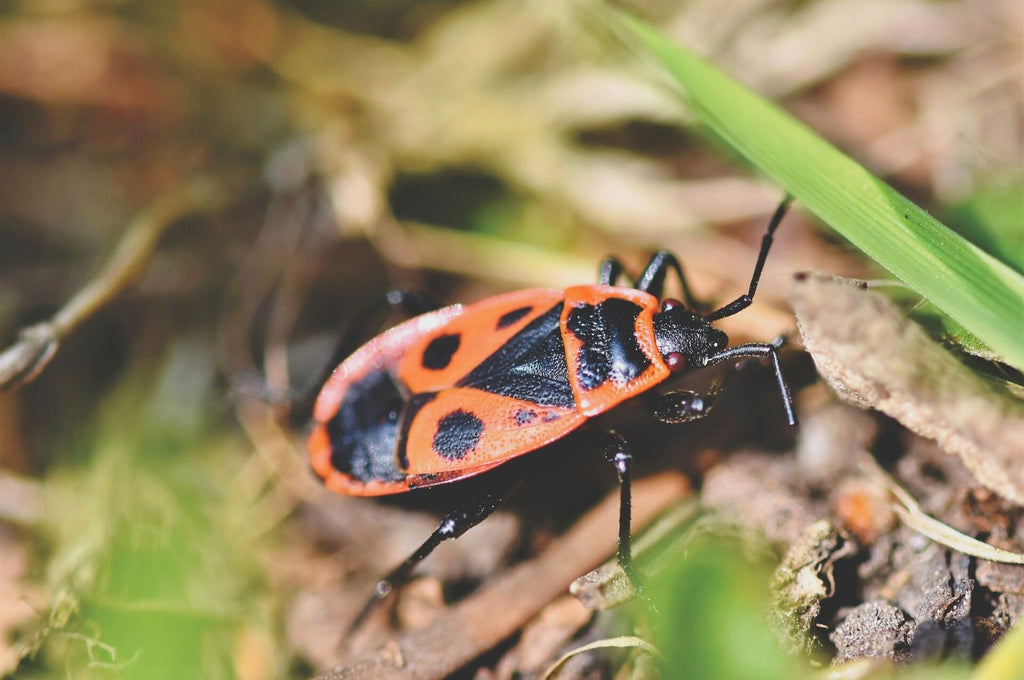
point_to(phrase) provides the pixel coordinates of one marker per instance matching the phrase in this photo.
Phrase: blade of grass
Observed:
(982, 294)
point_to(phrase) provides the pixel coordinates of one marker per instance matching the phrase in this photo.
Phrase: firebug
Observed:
(458, 391)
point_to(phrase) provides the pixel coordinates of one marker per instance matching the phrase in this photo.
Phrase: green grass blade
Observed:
(979, 292)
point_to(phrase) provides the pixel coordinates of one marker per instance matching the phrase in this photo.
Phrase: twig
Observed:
(28, 356)
(503, 606)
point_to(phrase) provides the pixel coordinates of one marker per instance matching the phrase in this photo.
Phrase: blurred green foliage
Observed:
(993, 218)
(151, 549)
(711, 622)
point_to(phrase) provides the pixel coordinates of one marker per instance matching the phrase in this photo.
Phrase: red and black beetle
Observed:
(460, 390)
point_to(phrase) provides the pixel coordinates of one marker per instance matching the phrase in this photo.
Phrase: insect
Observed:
(460, 390)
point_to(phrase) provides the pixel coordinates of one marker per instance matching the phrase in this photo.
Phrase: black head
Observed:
(684, 338)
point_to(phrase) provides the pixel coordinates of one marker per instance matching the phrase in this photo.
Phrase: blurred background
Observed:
(267, 170)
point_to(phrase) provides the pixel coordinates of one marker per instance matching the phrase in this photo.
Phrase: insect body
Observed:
(458, 391)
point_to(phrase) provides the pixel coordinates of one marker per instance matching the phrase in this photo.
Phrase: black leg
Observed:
(412, 304)
(609, 272)
(462, 519)
(618, 454)
(743, 301)
(683, 406)
(652, 280)
(761, 350)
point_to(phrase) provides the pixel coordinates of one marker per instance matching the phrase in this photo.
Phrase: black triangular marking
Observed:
(530, 366)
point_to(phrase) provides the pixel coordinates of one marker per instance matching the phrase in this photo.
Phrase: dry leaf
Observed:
(873, 356)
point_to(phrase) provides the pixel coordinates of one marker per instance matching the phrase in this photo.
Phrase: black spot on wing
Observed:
(530, 366)
(509, 318)
(610, 350)
(364, 430)
(440, 350)
(457, 434)
(525, 416)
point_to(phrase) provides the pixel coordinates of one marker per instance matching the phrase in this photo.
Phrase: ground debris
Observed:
(473, 626)
(802, 581)
(938, 596)
(757, 491)
(544, 638)
(873, 629)
(898, 594)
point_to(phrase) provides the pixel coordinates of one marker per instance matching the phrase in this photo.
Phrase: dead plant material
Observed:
(873, 356)
(624, 642)
(28, 356)
(803, 580)
(544, 638)
(910, 512)
(502, 607)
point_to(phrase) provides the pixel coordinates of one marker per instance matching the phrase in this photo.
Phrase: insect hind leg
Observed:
(407, 302)
(470, 513)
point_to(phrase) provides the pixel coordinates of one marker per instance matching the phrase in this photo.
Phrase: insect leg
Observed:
(409, 302)
(616, 450)
(609, 272)
(761, 350)
(456, 523)
(412, 304)
(743, 301)
(652, 280)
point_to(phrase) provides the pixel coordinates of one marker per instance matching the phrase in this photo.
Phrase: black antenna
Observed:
(743, 301)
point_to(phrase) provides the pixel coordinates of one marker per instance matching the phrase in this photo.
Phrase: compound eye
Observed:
(670, 303)
(676, 361)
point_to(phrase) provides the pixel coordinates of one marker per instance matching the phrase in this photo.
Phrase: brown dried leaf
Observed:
(873, 356)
